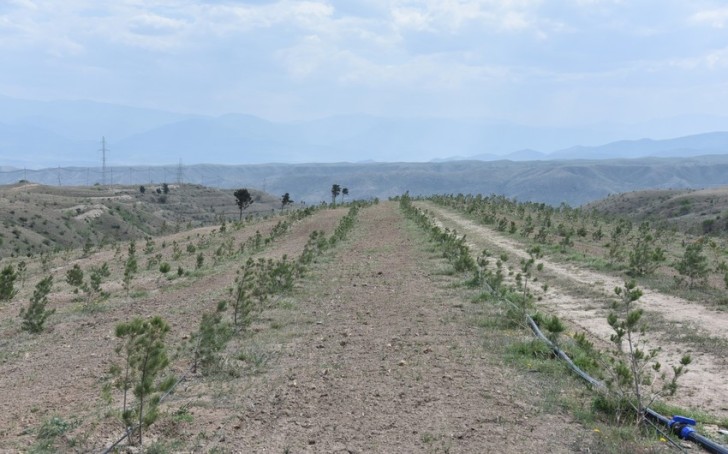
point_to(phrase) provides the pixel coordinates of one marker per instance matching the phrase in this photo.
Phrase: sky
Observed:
(538, 62)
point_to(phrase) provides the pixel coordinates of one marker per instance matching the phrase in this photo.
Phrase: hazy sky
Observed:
(538, 62)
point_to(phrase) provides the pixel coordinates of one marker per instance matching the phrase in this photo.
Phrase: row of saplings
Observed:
(142, 344)
(640, 251)
(36, 313)
(143, 351)
(634, 377)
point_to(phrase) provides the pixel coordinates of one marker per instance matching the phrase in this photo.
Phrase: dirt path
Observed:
(382, 358)
(705, 386)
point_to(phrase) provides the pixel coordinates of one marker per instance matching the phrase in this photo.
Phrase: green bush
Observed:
(36, 314)
(7, 283)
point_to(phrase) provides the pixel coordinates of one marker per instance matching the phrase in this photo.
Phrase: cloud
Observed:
(716, 18)
(225, 50)
(451, 16)
(154, 24)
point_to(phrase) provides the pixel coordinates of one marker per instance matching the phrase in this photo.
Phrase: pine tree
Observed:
(693, 265)
(645, 255)
(244, 302)
(335, 191)
(36, 314)
(7, 283)
(74, 277)
(145, 358)
(130, 267)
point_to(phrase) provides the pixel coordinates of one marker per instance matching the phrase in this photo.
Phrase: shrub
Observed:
(7, 283)
(36, 314)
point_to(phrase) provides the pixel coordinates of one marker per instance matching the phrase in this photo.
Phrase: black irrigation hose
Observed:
(679, 425)
(560, 353)
(683, 427)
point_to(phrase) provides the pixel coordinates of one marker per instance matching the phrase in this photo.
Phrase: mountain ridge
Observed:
(574, 182)
(52, 133)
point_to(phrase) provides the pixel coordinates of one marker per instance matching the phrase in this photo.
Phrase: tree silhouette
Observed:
(286, 200)
(243, 199)
(335, 191)
(344, 193)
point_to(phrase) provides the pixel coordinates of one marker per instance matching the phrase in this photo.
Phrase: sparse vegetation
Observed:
(289, 307)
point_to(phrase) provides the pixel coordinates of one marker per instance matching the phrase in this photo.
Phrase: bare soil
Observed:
(380, 356)
(375, 351)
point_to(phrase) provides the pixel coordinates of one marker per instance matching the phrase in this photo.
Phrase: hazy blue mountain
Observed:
(693, 145)
(83, 120)
(30, 146)
(526, 155)
(44, 134)
(553, 182)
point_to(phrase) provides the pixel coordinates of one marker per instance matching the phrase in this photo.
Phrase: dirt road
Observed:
(582, 297)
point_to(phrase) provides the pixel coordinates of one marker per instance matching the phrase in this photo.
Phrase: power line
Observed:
(179, 173)
(103, 160)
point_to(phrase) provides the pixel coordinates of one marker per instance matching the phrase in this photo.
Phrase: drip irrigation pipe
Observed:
(680, 425)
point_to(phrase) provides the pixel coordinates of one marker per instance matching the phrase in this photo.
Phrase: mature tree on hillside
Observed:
(335, 191)
(344, 193)
(243, 199)
(286, 200)
(165, 188)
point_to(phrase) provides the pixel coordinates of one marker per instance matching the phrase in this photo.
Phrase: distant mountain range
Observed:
(688, 146)
(574, 182)
(35, 134)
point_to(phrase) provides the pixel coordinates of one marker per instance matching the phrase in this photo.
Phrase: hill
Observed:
(36, 218)
(693, 145)
(573, 182)
(694, 211)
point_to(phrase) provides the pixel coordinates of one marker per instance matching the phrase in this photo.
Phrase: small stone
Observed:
(402, 362)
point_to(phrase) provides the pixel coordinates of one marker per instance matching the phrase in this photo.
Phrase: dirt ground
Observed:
(383, 358)
(375, 351)
(582, 297)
